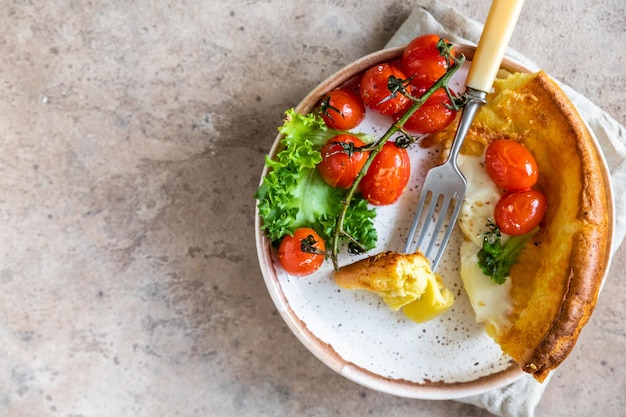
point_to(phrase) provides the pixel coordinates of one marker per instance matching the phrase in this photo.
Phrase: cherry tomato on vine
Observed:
(511, 165)
(387, 176)
(341, 160)
(342, 109)
(375, 91)
(434, 115)
(519, 212)
(301, 254)
(423, 61)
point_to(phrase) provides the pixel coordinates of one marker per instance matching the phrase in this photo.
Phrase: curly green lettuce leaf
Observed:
(293, 194)
(358, 223)
(313, 128)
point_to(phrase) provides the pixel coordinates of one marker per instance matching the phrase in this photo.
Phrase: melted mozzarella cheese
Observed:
(490, 301)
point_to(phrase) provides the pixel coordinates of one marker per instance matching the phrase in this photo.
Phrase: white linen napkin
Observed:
(520, 398)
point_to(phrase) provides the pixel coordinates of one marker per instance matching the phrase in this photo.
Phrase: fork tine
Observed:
(448, 231)
(429, 215)
(443, 214)
(416, 221)
(440, 209)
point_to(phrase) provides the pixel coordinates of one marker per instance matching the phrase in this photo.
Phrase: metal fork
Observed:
(442, 194)
(444, 187)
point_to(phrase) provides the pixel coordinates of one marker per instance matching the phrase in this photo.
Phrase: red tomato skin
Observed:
(296, 262)
(374, 90)
(434, 115)
(337, 168)
(520, 212)
(421, 59)
(350, 106)
(510, 165)
(387, 176)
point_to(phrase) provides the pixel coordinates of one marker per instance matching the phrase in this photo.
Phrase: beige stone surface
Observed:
(133, 137)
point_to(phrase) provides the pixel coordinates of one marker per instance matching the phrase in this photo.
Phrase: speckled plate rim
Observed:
(322, 350)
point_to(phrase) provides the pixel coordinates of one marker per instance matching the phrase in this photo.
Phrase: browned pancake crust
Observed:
(582, 198)
(559, 274)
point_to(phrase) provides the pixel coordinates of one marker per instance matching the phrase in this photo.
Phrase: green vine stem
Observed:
(376, 147)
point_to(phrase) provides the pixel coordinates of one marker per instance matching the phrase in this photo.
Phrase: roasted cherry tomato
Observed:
(423, 61)
(342, 109)
(519, 212)
(375, 91)
(387, 176)
(302, 253)
(510, 165)
(341, 160)
(434, 115)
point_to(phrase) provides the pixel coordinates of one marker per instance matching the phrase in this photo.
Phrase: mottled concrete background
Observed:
(133, 136)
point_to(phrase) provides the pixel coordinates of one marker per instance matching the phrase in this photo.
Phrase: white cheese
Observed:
(480, 201)
(490, 301)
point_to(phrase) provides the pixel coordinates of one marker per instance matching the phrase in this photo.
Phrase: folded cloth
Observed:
(520, 398)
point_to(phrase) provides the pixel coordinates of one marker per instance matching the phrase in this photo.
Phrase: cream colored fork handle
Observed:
(494, 39)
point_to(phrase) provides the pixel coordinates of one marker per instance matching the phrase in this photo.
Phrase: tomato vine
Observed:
(395, 86)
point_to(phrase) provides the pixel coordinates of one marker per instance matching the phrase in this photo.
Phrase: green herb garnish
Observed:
(495, 258)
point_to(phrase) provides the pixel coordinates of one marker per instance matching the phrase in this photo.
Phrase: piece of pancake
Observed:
(555, 283)
(398, 279)
(403, 280)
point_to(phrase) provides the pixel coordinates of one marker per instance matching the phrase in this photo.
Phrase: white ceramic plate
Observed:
(354, 332)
